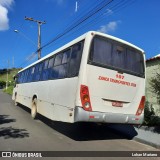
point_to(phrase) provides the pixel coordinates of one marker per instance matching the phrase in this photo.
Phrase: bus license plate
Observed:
(117, 104)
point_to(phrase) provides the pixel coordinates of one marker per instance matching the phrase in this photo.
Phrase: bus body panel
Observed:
(103, 92)
(106, 117)
(49, 97)
(62, 94)
(106, 89)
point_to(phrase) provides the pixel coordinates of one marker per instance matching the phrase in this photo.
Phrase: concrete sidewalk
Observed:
(144, 134)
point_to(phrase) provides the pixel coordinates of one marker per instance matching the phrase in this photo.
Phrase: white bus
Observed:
(94, 78)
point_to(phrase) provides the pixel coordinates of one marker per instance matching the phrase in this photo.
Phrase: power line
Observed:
(78, 23)
(80, 13)
(118, 6)
(115, 8)
(99, 18)
(26, 37)
(98, 8)
(122, 2)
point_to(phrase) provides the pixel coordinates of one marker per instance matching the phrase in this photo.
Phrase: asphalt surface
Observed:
(19, 132)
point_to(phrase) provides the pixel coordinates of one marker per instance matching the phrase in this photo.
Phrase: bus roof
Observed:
(82, 37)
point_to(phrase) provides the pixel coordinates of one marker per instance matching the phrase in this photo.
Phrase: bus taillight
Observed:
(85, 99)
(141, 106)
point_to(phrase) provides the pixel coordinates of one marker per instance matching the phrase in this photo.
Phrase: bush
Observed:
(149, 115)
(155, 120)
(3, 71)
(2, 84)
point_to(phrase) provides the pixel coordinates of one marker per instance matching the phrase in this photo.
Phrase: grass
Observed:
(9, 90)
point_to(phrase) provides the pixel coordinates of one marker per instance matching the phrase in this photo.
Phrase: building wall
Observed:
(153, 67)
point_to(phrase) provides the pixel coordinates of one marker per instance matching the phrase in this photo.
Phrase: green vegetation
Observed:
(3, 79)
(155, 84)
(9, 90)
(11, 73)
(150, 118)
(2, 83)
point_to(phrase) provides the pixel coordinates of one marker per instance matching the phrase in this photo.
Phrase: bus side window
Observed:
(44, 74)
(58, 59)
(30, 74)
(21, 77)
(25, 76)
(66, 56)
(57, 66)
(61, 70)
(35, 73)
(61, 63)
(75, 60)
(50, 66)
(40, 69)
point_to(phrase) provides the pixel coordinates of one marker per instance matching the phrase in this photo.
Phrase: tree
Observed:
(155, 85)
(148, 114)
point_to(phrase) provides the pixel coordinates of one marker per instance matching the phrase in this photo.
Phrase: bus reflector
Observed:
(85, 99)
(141, 106)
(91, 117)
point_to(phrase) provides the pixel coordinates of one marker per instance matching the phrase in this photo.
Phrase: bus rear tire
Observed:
(34, 113)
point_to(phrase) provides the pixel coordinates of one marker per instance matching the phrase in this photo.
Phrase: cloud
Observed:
(3, 18)
(109, 12)
(109, 27)
(4, 6)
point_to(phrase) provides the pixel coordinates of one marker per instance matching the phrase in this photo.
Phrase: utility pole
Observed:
(39, 33)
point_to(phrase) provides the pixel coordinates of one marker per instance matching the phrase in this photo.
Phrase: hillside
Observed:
(11, 73)
(3, 79)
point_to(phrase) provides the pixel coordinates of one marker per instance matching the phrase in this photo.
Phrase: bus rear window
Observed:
(114, 55)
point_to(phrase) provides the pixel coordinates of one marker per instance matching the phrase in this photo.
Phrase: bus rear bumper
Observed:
(85, 116)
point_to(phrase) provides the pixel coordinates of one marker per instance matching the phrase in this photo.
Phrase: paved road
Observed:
(18, 132)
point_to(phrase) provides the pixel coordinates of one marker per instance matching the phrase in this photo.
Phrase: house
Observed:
(152, 68)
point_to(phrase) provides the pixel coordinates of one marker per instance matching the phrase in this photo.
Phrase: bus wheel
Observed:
(34, 109)
(15, 101)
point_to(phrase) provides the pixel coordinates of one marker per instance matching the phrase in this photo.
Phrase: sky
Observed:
(136, 21)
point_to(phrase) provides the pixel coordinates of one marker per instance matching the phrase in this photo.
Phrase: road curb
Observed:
(138, 134)
(146, 142)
